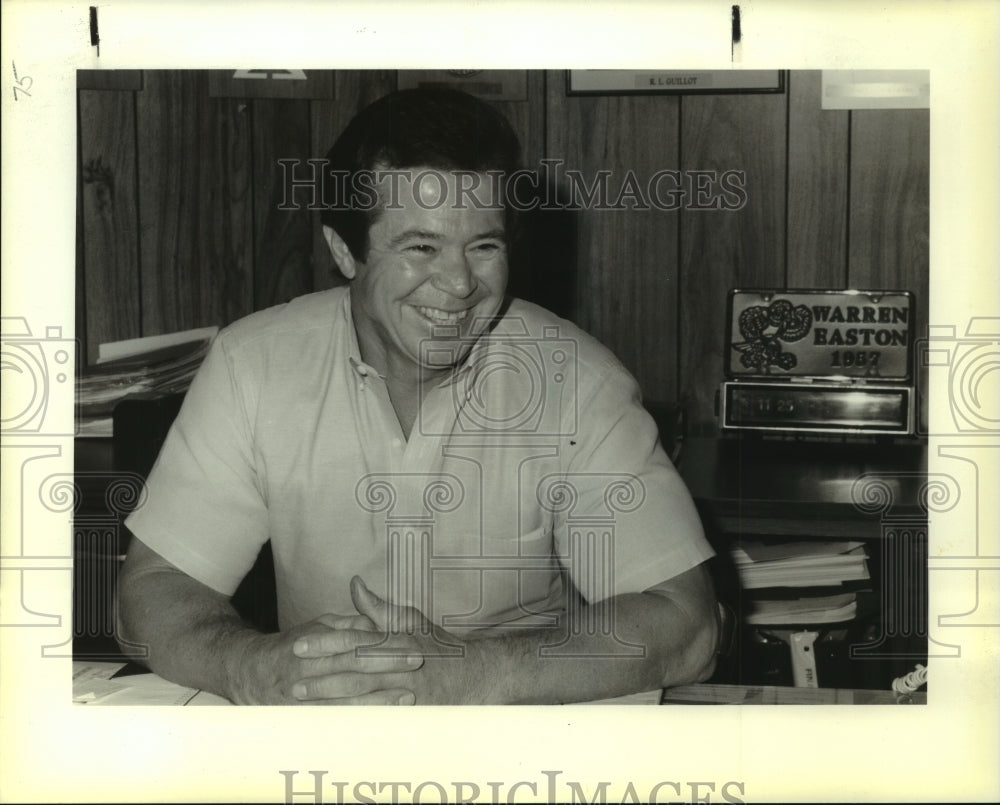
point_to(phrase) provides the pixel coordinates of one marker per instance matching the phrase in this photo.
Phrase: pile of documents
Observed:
(159, 364)
(99, 683)
(798, 577)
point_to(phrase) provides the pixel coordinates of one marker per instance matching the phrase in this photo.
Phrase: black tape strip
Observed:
(95, 38)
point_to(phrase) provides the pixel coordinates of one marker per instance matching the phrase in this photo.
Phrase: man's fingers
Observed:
(362, 623)
(336, 641)
(362, 660)
(369, 604)
(352, 650)
(321, 689)
(386, 617)
(395, 696)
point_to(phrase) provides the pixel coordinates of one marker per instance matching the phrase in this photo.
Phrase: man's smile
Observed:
(442, 316)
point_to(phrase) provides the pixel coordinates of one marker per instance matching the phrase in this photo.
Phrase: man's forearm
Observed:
(665, 636)
(191, 634)
(643, 641)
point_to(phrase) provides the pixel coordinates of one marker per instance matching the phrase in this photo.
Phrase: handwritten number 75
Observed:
(21, 83)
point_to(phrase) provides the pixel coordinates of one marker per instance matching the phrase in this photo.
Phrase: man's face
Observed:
(433, 262)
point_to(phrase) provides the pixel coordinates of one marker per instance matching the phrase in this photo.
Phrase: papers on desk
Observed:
(807, 565)
(159, 364)
(94, 683)
(810, 609)
(647, 697)
(814, 563)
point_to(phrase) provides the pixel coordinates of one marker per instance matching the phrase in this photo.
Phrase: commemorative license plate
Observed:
(846, 334)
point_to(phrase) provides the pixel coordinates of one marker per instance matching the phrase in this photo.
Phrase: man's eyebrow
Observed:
(493, 234)
(409, 234)
(424, 234)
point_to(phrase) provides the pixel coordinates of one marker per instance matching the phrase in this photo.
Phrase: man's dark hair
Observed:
(435, 128)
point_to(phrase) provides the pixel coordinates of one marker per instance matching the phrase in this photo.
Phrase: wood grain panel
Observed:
(80, 273)
(817, 186)
(889, 208)
(109, 79)
(282, 237)
(527, 117)
(353, 90)
(195, 203)
(110, 224)
(889, 199)
(721, 250)
(626, 259)
(542, 268)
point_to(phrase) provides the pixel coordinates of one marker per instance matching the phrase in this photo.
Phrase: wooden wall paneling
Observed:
(542, 267)
(195, 203)
(80, 297)
(720, 249)
(109, 79)
(817, 186)
(110, 226)
(626, 258)
(889, 208)
(528, 118)
(282, 265)
(889, 202)
(353, 90)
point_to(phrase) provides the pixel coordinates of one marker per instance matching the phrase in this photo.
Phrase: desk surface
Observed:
(96, 684)
(766, 694)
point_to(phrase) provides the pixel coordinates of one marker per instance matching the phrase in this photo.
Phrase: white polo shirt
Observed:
(532, 464)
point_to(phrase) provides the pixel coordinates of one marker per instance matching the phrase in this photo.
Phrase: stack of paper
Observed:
(813, 563)
(807, 565)
(159, 364)
(810, 609)
(97, 684)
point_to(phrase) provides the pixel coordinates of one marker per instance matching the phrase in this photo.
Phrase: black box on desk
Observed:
(141, 423)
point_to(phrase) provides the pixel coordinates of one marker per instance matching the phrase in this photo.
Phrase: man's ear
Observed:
(341, 254)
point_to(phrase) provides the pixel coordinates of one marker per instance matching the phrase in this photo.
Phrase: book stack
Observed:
(160, 364)
(799, 583)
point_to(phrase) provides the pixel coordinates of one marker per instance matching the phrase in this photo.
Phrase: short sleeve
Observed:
(632, 522)
(204, 510)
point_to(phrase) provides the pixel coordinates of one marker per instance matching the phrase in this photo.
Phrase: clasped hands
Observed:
(384, 655)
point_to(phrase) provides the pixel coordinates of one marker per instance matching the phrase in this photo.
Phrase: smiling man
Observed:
(436, 261)
(465, 499)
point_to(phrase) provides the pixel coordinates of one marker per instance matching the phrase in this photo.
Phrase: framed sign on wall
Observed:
(641, 82)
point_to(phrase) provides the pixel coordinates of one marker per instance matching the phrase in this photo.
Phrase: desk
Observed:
(773, 694)
(99, 684)
(94, 684)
